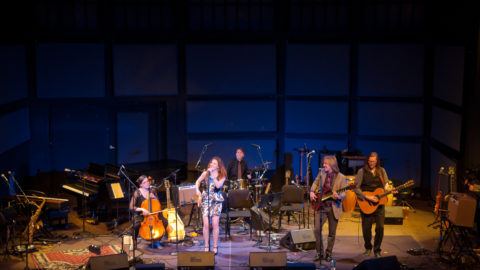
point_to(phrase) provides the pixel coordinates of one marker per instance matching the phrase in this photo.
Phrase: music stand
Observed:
(116, 192)
(270, 202)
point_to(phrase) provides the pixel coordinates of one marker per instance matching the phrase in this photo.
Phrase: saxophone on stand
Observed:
(32, 225)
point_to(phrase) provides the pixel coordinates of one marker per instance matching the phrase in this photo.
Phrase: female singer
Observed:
(139, 196)
(211, 199)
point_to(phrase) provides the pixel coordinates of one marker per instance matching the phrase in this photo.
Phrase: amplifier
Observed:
(295, 239)
(461, 209)
(268, 259)
(187, 194)
(394, 215)
(197, 258)
(115, 261)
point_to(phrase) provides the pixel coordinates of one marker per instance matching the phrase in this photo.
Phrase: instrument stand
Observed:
(404, 203)
(461, 243)
(83, 233)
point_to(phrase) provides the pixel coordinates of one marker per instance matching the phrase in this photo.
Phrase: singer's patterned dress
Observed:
(215, 201)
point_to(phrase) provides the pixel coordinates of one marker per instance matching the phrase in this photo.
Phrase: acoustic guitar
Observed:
(175, 224)
(316, 204)
(368, 207)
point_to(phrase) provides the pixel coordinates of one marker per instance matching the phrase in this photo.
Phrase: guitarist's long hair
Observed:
(332, 161)
(377, 166)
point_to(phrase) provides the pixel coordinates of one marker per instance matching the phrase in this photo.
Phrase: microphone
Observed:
(312, 152)
(255, 145)
(4, 177)
(120, 170)
(208, 144)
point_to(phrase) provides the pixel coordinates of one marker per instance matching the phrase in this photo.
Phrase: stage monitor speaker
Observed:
(115, 261)
(394, 215)
(296, 239)
(154, 266)
(461, 209)
(383, 263)
(196, 259)
(268, 259)
(301, 266)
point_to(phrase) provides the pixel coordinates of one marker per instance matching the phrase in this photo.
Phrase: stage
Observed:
(234, 254)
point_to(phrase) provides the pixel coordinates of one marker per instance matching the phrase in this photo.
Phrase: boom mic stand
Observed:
(132, 217)
(309, 169)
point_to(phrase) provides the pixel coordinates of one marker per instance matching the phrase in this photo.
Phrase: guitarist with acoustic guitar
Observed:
(370, 178)
(328, 181)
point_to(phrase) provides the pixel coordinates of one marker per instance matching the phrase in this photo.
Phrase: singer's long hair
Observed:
(222, 172)
(332, 161)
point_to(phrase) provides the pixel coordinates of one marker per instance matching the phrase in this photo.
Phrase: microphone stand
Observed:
(131, 216)
(175, 205)
(309, 168)
(197, 167)
(27, 245)
(205, 147)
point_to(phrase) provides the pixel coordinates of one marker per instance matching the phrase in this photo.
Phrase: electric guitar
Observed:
(368, 207)
(316, 204)
(438, 198)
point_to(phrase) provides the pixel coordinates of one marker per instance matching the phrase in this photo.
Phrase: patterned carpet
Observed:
(69, 259)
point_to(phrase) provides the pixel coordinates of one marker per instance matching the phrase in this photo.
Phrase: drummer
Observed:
(237, 168)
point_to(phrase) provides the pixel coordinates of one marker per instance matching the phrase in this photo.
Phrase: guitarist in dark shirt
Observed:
(369, 178)
(328, 181)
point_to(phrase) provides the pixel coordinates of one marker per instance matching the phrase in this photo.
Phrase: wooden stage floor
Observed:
(234, 254)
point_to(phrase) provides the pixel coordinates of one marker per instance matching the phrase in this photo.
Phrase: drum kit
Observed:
(255, 185)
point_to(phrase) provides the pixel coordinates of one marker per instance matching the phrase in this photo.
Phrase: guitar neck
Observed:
(408, 184)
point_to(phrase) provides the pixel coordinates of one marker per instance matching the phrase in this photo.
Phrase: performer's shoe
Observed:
(328, 256)
(367, 252)
(206, 249)
(318, 257)
(215, 250)
(378, 254)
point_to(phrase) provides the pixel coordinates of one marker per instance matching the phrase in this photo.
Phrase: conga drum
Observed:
(351, 198)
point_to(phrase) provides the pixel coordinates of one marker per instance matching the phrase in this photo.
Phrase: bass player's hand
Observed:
(313, 197)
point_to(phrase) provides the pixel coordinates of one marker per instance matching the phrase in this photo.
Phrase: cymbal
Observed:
(259, 179)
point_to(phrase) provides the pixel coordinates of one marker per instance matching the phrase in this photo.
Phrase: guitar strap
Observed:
(381, 178)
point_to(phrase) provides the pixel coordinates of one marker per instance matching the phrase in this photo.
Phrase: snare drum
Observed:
(242, 184)
(351, 198)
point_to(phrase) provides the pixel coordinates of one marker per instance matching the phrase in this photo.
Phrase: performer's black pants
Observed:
(377, 217)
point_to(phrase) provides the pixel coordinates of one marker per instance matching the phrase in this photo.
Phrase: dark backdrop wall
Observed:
(123, 82)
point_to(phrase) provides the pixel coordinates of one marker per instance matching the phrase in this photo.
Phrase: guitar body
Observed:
(316, 204)
(368, 207)
(175, 224)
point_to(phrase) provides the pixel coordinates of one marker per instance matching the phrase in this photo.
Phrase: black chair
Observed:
(292, 201)
(239, 204)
